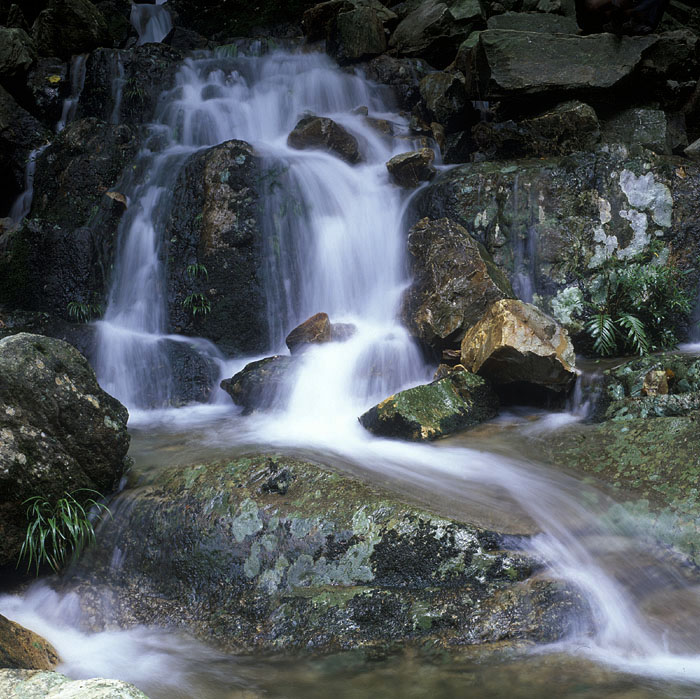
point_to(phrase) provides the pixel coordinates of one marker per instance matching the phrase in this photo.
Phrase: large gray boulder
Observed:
(33, 684)
(60, 431)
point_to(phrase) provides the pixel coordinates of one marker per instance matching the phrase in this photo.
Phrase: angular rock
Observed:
(511, 63)
(317, 19)
(356, 35)
(455, 282)
(402, 74)
(410, 169)
(60, 431)
(568, 128)
(313, 331)
(650, 128)
(32, 684)
(515, 343)
(17, 54)
(533, 22)
(454, 402)
(23, 649)
(445, 101)
(68, 27)
(261, 385)
(324, 134)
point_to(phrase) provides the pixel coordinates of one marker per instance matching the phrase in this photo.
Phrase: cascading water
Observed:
(152, 21)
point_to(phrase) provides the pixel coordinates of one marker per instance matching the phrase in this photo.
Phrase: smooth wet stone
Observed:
(21, 648)
(410, 169)
(515, 343)
(312, 331)
(261, 385)
(324, 134)
(452, 403)
(31, 684)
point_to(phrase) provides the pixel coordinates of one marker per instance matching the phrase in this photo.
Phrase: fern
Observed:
(602, 329)
(636, 336)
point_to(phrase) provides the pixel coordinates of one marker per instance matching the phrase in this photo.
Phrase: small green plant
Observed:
(197, 303)
(635, 304)
(58, 532)
(84, 311)
(196, 270)
(134, 90)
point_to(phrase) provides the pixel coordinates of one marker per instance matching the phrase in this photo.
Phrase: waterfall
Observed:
(152, 22)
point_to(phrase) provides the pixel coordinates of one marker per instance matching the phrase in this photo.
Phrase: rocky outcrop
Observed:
(410, 169)
(48, 85)
(356, 35)
(313, 331)
(23, 649)
(215, 243)
(403, 75)
(17, 55)
(454, 283)
(261, 385)
(515, 343)
(324, 134)
(268, 553)
(444, 100)
(60, 431)
(452, 403)
(30, 684)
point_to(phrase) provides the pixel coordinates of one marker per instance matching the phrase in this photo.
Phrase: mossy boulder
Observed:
(268, 553)
(454, 402)
(23, 649)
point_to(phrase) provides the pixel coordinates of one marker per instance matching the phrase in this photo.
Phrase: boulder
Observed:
(515, 343)
(67, 27)
(533, 22)
(313, 331)
(261, 385)
(454, 282)
(17, 55)
(324, 134)
(266, 553)
(32, 684)
(317, 20)
(568, 128)
(410, 169)
(356, 35)
(452, 403)
(651, 128)
(60, 431)
(403, 75)
(23, 649)
(444, 100)
(215, 237)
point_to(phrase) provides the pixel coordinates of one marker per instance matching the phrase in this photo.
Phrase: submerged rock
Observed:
(30, 684)
(313, 331)
(454, 402)
(261, 385)
(515, 343)
(454, 282)
(410, 169)
(268, 553)
(324, 134)
(21, 648)
(59, 431)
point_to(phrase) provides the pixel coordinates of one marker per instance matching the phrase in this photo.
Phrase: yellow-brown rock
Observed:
(22, 649)
(312, 331)
(516, 343)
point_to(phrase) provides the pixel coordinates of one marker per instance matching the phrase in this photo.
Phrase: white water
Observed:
(340, 251)
(152, 22)
(77, 82)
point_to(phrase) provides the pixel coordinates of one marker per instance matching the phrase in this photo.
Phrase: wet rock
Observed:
(21, 648)
(403, 75)
(650, 128)
(68, 27)
(30, 684)
(533, 22)
(452, 403)
(60, 431)
(261, 385)
(194, 372)
(215, 242)
(17, 55)
(16, 18)
(313, 331)
(332, 564)
(444, 100)
(568, 128)
(356, 35)
(410, 169)
(324, 134)
(48, 84)
(455, 282)
(515, 343)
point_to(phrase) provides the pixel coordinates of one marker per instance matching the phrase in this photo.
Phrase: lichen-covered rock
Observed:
(268, 553)
(323, 133)
(59, 430)
(261, 385)
(454, 402)
(23, 649)
(215, 244)
(454, 282)
(515, 343)
(32, 684)
(651, 128)
(410, 169)
(312, 331)
(356, 35)
(67, 27)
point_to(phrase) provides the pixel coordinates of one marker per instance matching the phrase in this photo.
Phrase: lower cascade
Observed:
(296, 532)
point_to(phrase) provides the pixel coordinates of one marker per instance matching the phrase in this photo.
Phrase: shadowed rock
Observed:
(324, 134)
(260, 385)
(410, 169)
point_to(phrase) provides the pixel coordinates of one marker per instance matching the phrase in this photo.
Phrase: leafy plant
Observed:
(84, 311)
(134, 90)
(58, 532)
(196, 270)
(197, 303)
(635, 304)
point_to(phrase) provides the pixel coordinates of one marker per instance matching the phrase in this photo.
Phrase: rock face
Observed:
(452, 403)
(260, 385)
(445, 100)
(515, 343)
(410, 169)
(22, 649)
(403, 75)
(356, 34)
(313, 331)
(60, 431)
(17, 54)
(267, 553)
(454, 282)
(216, 240)
(30, 684)
(324, 134)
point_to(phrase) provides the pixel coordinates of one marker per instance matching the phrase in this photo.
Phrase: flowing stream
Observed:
(340, 249)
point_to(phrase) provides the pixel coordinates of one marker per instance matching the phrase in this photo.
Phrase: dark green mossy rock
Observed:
(458, 401)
